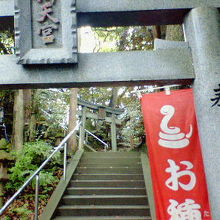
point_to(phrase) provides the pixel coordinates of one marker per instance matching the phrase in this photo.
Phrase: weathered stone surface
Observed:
(96, 107)
(202, 28)
(87, 6)
(166, 44)
(45, 39)
(127, 12)
(136, 5)
(6, 8)
(127, 68)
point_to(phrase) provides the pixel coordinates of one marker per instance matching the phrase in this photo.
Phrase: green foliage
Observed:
(23, 212)
(131, 133)
(28, 160)
(5, 145)
(124, 38)
(6, 42)
(96, 95)
(119, 39)
(136, 38)
(52, 109)
(133, 129)
(174, 33)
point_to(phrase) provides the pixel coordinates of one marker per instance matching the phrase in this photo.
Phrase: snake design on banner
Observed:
(172, 137)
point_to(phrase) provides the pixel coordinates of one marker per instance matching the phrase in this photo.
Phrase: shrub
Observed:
(23, 212)
(28, 161)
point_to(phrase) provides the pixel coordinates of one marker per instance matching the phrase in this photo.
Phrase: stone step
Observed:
(111, 210)
(105, 200)
(106, 186)
(96, 163)
(105, 191)
(111, 166)
(107, 183)
(110, 160)
(111, 155)
(104, 218)
(106, 170)
(108, 177)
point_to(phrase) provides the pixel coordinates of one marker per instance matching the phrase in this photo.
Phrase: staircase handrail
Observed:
(97, 138)
(37, 172)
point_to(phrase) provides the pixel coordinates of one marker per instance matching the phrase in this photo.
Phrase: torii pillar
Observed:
(82, 128)
(202, 31)
(113, 134)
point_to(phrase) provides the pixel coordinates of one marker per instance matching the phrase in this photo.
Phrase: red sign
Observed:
(178, 176)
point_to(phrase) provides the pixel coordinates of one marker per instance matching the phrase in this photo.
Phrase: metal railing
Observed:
(101, 141)
(36, 174)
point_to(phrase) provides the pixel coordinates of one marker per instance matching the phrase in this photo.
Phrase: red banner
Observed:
(178, 177)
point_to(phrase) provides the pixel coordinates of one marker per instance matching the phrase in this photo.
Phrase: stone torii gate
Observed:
(197, 61)
(100, 112)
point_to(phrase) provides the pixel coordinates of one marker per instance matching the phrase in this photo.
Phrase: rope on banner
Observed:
(151, 89)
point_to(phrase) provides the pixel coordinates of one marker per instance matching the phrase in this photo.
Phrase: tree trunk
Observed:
(114, 97)
(113, 134)
(72, 143)
(27, 112)
(32, 127)
(1, 194)
(33, 120)
(18, 120)
(156, 32)
(132, 145)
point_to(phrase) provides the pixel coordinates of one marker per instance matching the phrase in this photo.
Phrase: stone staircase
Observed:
(105, 186)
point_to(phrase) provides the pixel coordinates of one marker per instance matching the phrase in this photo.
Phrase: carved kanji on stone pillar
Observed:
(45, 31)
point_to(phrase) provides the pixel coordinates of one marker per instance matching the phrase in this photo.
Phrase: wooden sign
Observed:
(45, 31)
